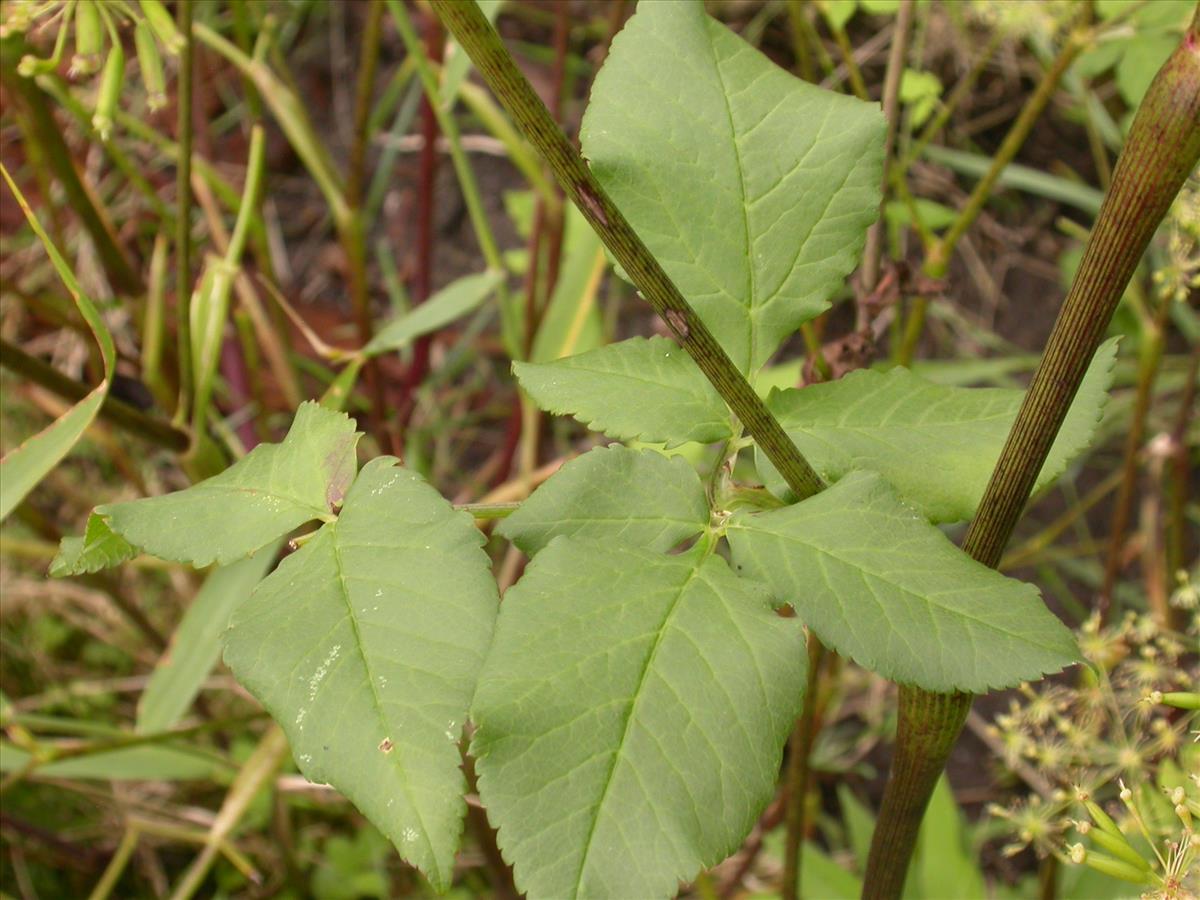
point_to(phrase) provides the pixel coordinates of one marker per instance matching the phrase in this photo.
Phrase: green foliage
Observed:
(790, 173)
(452, 302)
(24, 466)
(937, 445)
(630, 717)
(920, 92)
(674, 401)
(637, 497)
(196, 643)
(1135, 54)
(272, 490)
(944, 863)
(630, 699)
(365, 644)
(124, 764)
(881, 585)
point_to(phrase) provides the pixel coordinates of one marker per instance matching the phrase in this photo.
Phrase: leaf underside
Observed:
(884, 587)
(637, 497)
(98, 548)
(365, 645)
(261, 497)
(630, 717)
(638, 389)
(936, 445)
(759, 187)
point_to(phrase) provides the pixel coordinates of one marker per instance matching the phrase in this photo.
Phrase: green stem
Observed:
(183, 214)
(800, 45)
(130, 418)
(937, 260)
(116, 865)
(213, 310)
(1180, 476)
(354, 235)
(496, 66)
(53, 149)
(1153, 341)
(259, 769)
(961, 90)
(873, 252)
(799, 774)
(1162, 148)
(449, 129)
(853, 73)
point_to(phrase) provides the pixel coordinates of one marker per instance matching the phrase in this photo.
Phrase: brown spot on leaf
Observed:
(386, 745)
(340, 466)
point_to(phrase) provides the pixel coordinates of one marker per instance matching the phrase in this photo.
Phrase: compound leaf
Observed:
(264, 495)
(638, 389)
(639, 497)
(753, 188)
(881, 585)
(364, 645)
(937, 445)
(630, 717)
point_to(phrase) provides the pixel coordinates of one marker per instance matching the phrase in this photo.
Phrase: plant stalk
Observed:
(1153, 344)
(873, 251)
(937, 259)
(53, 149)
(354, 235)
(494, 63)
(183, 213)
(118, 412)
(256, 774)
(1162, 149)
(799, 775)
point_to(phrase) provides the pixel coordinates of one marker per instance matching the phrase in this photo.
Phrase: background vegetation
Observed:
(302, 200)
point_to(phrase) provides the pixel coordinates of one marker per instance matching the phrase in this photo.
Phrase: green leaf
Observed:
(1140, 62)
(572, 322)
(99, 548)
(944, 863)
(263, 496)
(364, 645)
(140, 763)
(753, 188)
(630, 717)
(29, 462)
(821, 876)
(452, 302)
(882, 586)
(196, 644)
(638, 389)
(839, 12)
(612, 493)
(936, 445)
(920, 91)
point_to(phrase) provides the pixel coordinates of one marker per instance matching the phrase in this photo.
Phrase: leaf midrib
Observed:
(904, 589)
(751, 287)
(647, 666)
(377, 700)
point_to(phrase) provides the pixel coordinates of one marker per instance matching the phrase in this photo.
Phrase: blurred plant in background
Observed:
(1126, 721)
